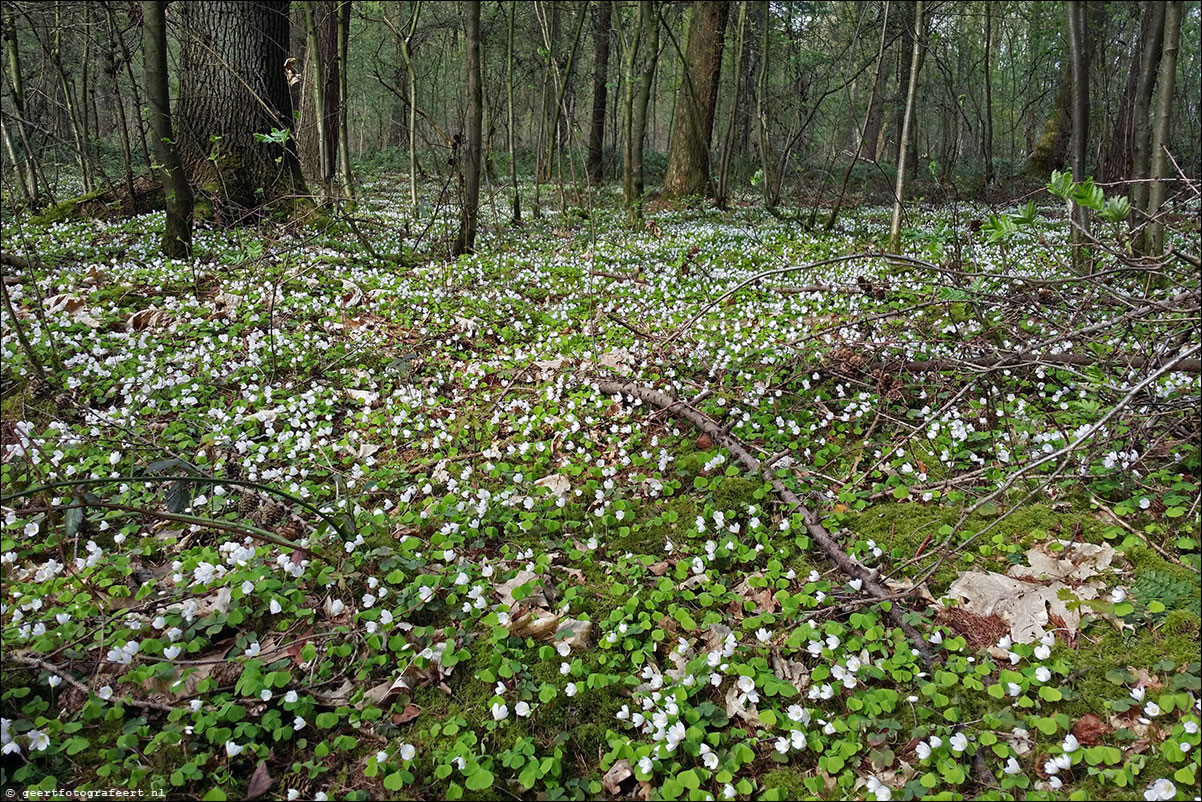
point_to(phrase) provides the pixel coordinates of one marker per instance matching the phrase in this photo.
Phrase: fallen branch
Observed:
(34, 662)
(1014, 360)
(817, 531)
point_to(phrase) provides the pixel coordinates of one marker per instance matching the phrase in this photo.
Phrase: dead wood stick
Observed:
(34, 662)
(817, 531)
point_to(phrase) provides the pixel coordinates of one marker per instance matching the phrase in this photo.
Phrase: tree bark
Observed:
(177, 236)
(1153, 240)
(317, 131)
(466, 242)
(513, 162)
(346, 180)
(689, 153)
(232, 87)
(987, 128)
(764, 143)
(904, 142)
(1141, 132)
(27, 169)
(1074, 11)
(737, 87)
(596, 134)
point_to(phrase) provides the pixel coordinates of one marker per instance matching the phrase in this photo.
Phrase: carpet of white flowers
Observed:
(292, 521)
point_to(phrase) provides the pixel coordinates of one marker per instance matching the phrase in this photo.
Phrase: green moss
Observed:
(63, 210)
(788, 784)
(735, 493)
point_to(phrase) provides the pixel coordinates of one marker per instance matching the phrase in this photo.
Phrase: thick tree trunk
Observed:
(903, 147)
(1052, 148)
(177, 237)
(1153, 240)
(689, 153)
(466, 242)
(875, 116)
(232, 88)
(596, 133)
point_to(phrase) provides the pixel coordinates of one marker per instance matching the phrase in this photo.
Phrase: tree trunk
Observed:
(737, 86)
(767, 158)
(689, 152)
(317, 130)
(1074, 11)
(345, 179)
(177, 237)
(903, 144)
(596, 133)
(875, 116)
(232, 88)
(1141, 104)
(987, 128)
(745, 111)
(513, 161)
(1153, 239)
(1051, 151)
(649, 17)
(27, 168)
(466, 242)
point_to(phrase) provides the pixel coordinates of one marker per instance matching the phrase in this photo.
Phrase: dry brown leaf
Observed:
(1024, 605)
(659, 568)
(1090, 729)
(618, 773)
(556, 483)
(147, 319)
(791, 671)
(574, 632)
(405, 716)
(260, 782)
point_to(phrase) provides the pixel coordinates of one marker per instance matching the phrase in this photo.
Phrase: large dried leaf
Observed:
(556, 483)
(1024, 605)
(147, 319)
(1077, 562)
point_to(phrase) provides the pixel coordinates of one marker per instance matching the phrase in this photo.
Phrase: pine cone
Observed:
(247, 504)
(39, 387)
(289, 531)
(271, 514)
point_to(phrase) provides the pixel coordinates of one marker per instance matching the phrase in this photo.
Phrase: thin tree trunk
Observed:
(177, 237)
(321, 169)
(987, 128)
(26, 168)
(630, 49)
(737, 87)
(903, 143)
(1153, 241)
(767, 162)
(411, 77)
(513, 162)
(596, 134)
(1141, 131)
(111, 69)
(466, 241)
(872, 99)
(1074, 11)
(649, 17)
(345, 178)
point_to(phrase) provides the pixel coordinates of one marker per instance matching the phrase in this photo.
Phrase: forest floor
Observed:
(322, 524)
